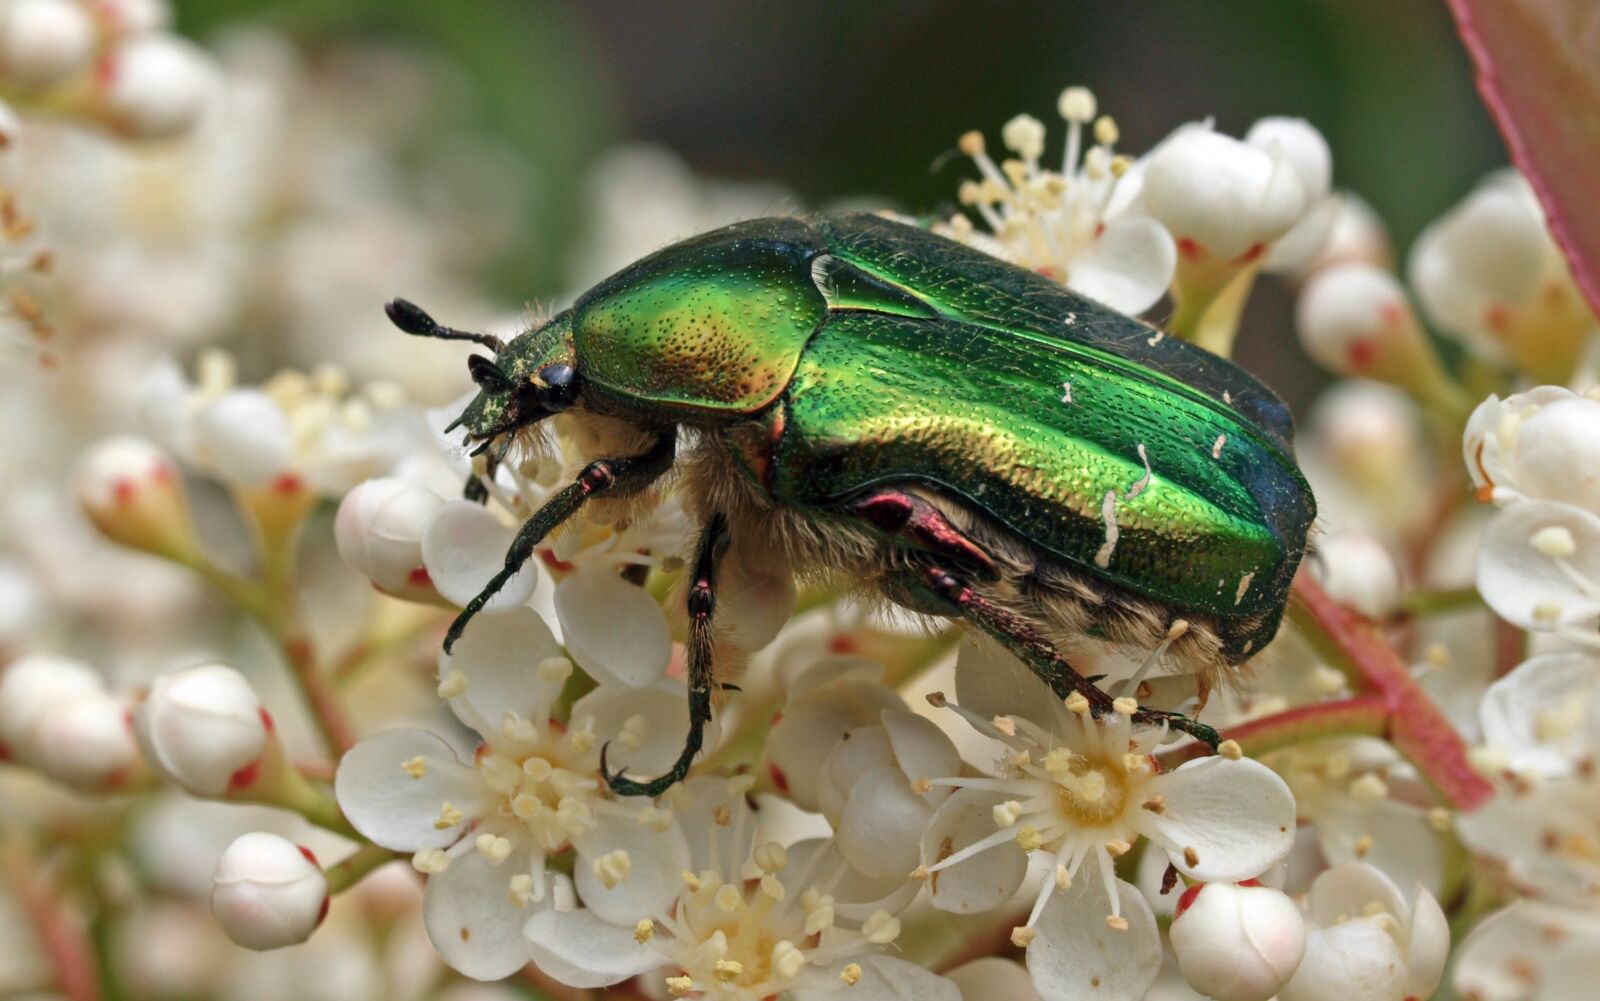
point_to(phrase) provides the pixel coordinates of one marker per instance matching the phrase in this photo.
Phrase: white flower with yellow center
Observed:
(739, 920)
(1082, 791)
(482, 830)
(1068, 225)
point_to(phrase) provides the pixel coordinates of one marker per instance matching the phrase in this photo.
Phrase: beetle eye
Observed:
(560, 389)
(487, 374)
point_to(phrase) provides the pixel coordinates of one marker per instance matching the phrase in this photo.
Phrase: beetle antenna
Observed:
(413, 319)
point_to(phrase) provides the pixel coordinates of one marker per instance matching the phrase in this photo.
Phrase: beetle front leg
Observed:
(624, 476)
(702, 603)
(1024, 641)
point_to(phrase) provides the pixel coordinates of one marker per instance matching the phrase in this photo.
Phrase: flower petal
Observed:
(855, 894)
(380, 790)
(1238, 816)
(1526, 586)
(718, 824)
(472, 919)
(463, 546)
(1349, 889)
(1357, 959)
(883, 978)
(922, 750)
(1543, 716)
(662, 708)
(862, 751)
(656, 861)
(881, 824)
(616, 632)
(991, 682)
(984, 881)
(1076, 956)
(812, 724)
(1390, 835)
(1128, 266)
(993, 979)
(499, 655)
(580, 950)
(1428, 945)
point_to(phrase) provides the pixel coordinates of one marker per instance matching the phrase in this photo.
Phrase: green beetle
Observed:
(926, 423)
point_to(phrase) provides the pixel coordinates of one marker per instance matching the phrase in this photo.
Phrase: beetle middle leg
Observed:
(702, 602)
(1025, 642)
(624, 475)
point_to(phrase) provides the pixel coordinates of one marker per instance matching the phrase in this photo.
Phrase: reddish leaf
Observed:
(1539, 72)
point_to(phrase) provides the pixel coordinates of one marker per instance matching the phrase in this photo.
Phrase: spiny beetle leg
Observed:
(1019, 636)
(621, 476)
(702, 603)
(914, 520)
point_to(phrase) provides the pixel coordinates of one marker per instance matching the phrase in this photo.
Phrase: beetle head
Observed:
(526, 381)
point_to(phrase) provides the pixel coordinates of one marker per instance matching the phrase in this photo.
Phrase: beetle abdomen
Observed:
(1165, 497)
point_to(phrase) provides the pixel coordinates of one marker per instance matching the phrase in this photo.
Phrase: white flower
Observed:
(132, 492)
(1070, 225)
(1237, 942)
(203, 728)
(1307, 152)
(296, 432)
(268, 892)
(1223, 199)
(1488, 273)
(1363, 451)
(483, 829)
(1355, 234)
(1368, 940)
(1082, 790)
(30, 686)
(1354, 319)
(828, 699)
(1358, 572)
(1543, 719)
(1539, 568)
(727, 918)
(44, 41)
(379, 532)
(56, 717)
(157, 86)
(1528, 952)
(1543, 444)
(993, 979)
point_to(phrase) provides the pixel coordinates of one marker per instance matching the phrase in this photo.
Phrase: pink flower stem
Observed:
(61, 938)
(1416, 727)
(1361, 716)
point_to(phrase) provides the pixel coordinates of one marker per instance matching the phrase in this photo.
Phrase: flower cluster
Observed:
(255, 733)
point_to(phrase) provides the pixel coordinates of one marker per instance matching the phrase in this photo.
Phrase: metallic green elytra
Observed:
(964, 436)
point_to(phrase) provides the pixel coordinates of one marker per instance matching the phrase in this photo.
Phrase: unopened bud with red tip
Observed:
(132, 493)
(1237, 942)
(155, 86)
(44, 41)
(203, 729)
(379, 533)
(268, 892)
(1354, 319)
(31, 686)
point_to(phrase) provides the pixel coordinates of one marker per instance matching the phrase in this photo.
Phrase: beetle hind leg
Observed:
(938, 586)
(702, 604)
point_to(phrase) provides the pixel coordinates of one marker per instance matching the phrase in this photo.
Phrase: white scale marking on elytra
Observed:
(1071, 318)
(1160, 335)
(1244, 585)
(1216, 446)
(1066, 394)
(1108, 514)
(1227, 397)
(1108, 510)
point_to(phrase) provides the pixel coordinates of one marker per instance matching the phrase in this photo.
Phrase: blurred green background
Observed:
(840, 98)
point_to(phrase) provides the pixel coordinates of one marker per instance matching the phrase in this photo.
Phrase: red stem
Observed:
(66, 945)
(1416, 727)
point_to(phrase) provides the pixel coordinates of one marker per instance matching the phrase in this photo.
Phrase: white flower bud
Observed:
(43, 41)
(1351, 319)
(1220, 196)
(379, 533)
(84, 742)
(268, 892)
(132, 17)
(131, 492)
(1302, 145)
(244, 437)
(1237, 943)
(1358, 572)
(202, 728)
(33, 685)
(158, 86)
